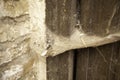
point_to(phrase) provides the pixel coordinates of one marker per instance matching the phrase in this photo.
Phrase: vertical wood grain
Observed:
(98, 63)
(60, 67)
(100, 17)
(116, 62)
(61, 16)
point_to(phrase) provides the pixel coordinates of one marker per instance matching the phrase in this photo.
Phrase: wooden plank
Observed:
(97, 63)
(101, 17)
(116, 62)
(60, 16)
(72, 24)
(60, 67)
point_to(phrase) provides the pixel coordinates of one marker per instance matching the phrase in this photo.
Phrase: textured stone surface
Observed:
(21, 41)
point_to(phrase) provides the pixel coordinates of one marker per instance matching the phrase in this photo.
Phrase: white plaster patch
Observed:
(44, 53)
(12, 71)
(37, 15)
(76, 35)
(2, 11)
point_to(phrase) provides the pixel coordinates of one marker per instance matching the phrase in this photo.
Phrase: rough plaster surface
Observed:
(22, 37)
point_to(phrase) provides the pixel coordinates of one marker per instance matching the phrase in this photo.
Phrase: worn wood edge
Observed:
(62, 44)
(57, 39)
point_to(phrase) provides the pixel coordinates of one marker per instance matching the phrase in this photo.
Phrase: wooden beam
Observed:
(100, 18)
(72, 24)
(116, 62)
(98, 63)
(60, 67)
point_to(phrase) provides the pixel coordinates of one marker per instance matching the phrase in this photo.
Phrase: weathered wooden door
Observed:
(98, 63)
(94, 63)
(30, 30)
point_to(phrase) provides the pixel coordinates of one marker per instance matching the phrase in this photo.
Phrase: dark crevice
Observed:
(75, 64)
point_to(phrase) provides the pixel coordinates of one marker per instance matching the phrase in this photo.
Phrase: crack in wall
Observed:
(15, 20)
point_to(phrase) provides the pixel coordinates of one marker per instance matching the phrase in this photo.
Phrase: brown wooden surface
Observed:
(60, 67)
(117, 63)
(99, 63)
(72, 24)
(100, 17)
(92, 17)
(61, 16)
